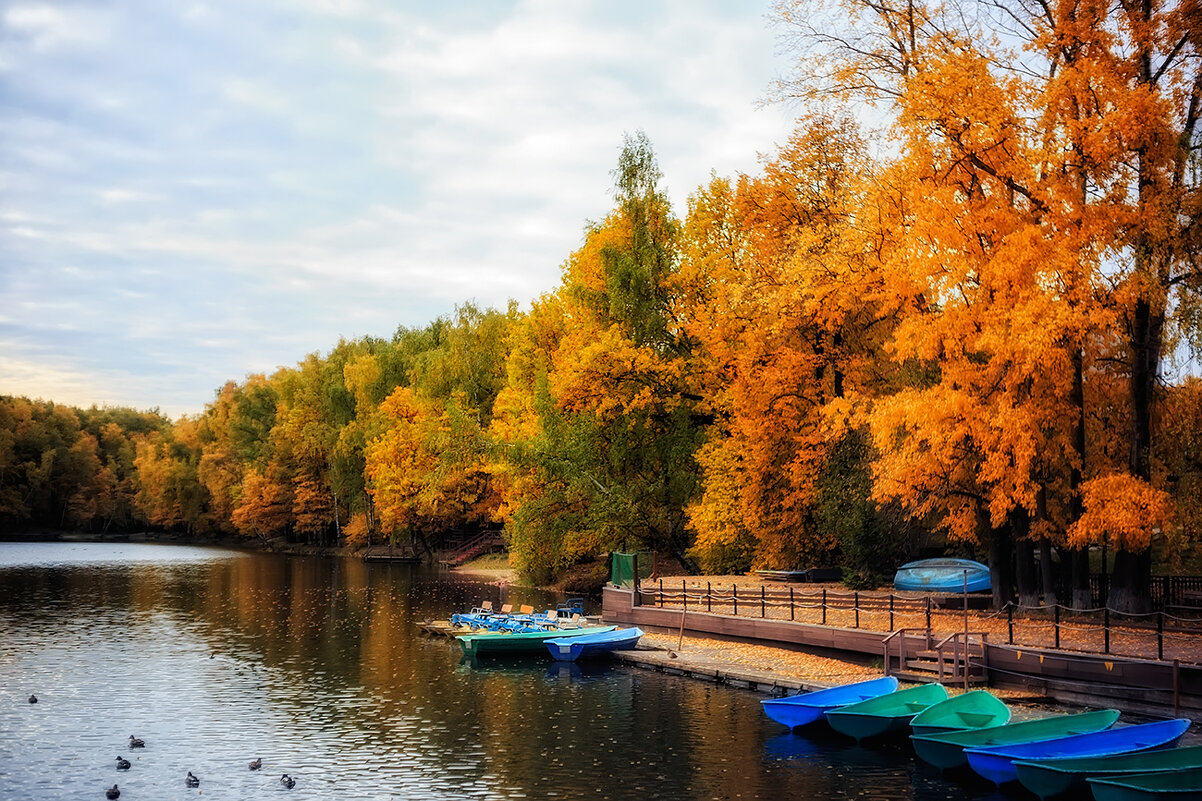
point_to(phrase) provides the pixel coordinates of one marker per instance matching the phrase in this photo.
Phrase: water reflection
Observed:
(318, 667)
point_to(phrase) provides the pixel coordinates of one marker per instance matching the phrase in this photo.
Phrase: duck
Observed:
(112, 793)
(255, 765)
(135, 742)
(33, 699)
(287, 781)
(191, 780)
(122, 763)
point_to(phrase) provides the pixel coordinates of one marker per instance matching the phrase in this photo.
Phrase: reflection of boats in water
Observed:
(522, 666)
(579, 671)
(832, 766)
(831, 751)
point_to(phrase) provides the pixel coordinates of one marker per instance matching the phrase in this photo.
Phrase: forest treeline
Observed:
(958, 325)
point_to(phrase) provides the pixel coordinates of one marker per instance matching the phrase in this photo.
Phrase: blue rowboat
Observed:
(569, 649)
(977, 709)
(1181, 785)
(946, 750)
(996, 763)
(1048, 778)
(942, 575)
(887, 713)
(803, 709)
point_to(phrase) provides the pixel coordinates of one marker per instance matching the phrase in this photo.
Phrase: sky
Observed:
(194, 192)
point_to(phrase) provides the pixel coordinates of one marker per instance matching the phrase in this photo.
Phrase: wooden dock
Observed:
(1145, 686)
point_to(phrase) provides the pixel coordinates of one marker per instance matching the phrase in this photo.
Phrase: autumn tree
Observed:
(1039, 125)
(776, 291)
(598, 424)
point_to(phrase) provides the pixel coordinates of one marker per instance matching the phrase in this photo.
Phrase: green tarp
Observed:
(622, 567)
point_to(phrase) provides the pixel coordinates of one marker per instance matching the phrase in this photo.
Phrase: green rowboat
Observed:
(532, 642)
(972, 710)
(886, 713)
(946, 750)
(1179, 785)
(1048, 778)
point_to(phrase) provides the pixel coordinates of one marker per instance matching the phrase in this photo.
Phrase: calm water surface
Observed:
(315, 665)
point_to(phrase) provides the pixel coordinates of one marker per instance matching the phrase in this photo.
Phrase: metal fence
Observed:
(1172, 632)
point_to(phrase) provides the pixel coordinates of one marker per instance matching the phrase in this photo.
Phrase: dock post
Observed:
(824, 606)
(709, 597)
(763, 602)
(734, 595)
(1056, 623)
(856, 601)
(792, 614)
(1160, 635)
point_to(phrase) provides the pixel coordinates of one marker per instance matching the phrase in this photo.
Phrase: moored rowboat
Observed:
(803, 709)
(500, 642)
(1048, 778)
(593, 643)
(1181, 785)
(971, 710)
(996, 763)
(942, 575)
(946, 750)
(887, 713)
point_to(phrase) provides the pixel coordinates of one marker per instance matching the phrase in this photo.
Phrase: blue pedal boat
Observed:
(942, 575)
(996, 763)
(801, 710)
(569, 649)
(946, 750)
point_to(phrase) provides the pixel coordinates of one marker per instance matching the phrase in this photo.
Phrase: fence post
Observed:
(928, 613)
(890, 611)
(792, 614)
(1160, 635)
(1056, 618)
(1010, 621)
(856, 601)
(709, 598)
(1106, 625)
(824, 606)
(763, 605)
(661, 593)
(734, 594)
(684, 595)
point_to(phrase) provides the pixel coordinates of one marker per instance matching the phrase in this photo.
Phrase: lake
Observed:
(316, 665)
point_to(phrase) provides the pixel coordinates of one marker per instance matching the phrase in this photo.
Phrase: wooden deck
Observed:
(1136, 685)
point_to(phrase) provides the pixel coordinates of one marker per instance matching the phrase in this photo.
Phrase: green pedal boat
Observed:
(1179, 785)
(976, 709)
(1049, 778)
(886, 713)
(532, 642)
(946, 750)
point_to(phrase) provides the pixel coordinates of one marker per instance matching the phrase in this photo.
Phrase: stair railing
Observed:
(900, 636)
(961, 667)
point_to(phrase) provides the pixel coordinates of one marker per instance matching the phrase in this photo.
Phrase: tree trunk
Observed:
(1082, 596)
(1047, 573)
(1001, 562)
(1131, 586)
(1024, 548)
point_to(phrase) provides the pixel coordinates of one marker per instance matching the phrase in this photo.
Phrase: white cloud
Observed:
(236, 185)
